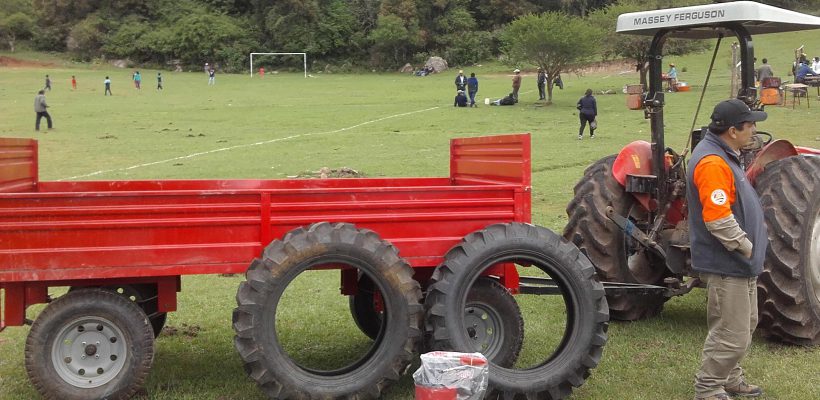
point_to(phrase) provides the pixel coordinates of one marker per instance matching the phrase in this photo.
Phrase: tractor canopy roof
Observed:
(700, 22)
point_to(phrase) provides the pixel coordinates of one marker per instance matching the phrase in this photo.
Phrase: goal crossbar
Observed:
(304, 59)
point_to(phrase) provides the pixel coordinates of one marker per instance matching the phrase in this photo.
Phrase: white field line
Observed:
(239, 146)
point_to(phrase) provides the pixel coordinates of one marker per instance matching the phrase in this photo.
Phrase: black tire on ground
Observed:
(789, 287)
(145, 295)
(89, 344)
(494, 323)
(363, 309)
(615, 254)
(254, 320)
(585, 335)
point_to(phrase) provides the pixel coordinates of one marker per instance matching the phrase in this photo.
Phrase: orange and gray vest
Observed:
(708, 253)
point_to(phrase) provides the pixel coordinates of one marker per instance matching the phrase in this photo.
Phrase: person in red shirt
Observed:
(73, 82)
(261, 72)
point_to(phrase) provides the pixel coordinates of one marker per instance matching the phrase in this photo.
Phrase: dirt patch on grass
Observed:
(6, 61)
(325, 172)
(186, 331)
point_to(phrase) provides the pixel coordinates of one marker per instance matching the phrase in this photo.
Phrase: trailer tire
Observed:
(584, 338)
(113, 365)
(145, 295)
(494, 321)
(609, 248)
(789, 287)
(363, 310)
(254, 319)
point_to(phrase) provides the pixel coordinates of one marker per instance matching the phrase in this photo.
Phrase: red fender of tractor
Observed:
(773, 151)
(636, 159)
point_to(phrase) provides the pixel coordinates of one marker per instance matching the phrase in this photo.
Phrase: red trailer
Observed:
(122, 246)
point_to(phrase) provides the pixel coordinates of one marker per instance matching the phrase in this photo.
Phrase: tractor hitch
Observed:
(636, 233)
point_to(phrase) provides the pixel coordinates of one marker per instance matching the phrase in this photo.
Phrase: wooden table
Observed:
(796, 89)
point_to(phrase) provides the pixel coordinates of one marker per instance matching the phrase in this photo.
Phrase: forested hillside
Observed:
(381, 34)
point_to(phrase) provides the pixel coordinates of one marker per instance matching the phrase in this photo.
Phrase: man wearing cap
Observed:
(672, 78)
(461, 81)
(460, 100)
(728, 244)
(516, 81)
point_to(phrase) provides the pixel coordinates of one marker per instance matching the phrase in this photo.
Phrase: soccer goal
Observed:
(304, 58)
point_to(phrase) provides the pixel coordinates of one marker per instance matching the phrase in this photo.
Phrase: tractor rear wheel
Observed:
(580, 347)
(617, 257)
(789, 287)
(258, 338)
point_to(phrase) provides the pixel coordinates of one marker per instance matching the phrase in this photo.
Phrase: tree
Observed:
(634, 47)
(554, 41)
(16, 26)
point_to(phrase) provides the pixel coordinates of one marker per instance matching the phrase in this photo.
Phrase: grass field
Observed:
(382, 125)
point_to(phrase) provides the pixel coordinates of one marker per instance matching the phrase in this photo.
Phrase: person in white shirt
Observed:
(815, 65)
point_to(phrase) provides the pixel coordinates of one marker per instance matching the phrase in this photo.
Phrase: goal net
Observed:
(304, 59)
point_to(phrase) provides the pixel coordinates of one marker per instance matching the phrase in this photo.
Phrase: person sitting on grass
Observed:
(460, 100)
(509, 100)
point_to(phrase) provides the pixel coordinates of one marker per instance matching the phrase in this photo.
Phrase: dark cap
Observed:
(734, 112)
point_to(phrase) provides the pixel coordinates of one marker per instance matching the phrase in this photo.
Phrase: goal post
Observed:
(304, 59)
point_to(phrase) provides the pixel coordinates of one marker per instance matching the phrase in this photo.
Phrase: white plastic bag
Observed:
(467, 373)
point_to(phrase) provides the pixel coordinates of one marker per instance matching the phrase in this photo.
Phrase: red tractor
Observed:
(629, 210)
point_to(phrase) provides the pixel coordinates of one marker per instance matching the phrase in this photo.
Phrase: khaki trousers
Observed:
(732, 318)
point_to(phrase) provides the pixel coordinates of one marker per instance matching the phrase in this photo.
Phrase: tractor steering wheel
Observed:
(768, 136)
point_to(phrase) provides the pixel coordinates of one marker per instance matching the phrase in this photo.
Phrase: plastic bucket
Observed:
(683, 87)
(429, 393)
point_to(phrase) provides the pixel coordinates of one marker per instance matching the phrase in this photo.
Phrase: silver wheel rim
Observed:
(814, 259)
(484, 329)
(89, 352)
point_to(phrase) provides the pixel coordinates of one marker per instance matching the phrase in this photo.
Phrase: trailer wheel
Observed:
(583, 340)
(145, 295)
(491, 314)
(89, 344)
(363, 308)
(616, 256)
(338, 244)
(789, 287)
(493, 322)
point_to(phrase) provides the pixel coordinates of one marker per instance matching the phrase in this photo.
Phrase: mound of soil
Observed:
(325, 172)
(18, 63)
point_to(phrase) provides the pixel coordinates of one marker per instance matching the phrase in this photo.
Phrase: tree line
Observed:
(345, 34)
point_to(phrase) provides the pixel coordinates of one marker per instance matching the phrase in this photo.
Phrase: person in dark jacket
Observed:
(460, 100)
(588, 110)
(472, 88)
(48, 84)
(41, 109)
(508, 100)
(728, 238)
(461, 81)
(542, 83)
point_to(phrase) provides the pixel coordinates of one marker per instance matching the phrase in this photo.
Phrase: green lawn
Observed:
(383, 125)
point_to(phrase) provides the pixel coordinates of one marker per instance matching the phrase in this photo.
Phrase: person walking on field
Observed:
(73, 82)
(765, 71)
(472, 88)
(211, 77)
(107, 83)
(159, 81)
(588, 110)
(41, 109)
(48, 84)
(516, 83)
(137, 79)
(728, 239)
(261, 72)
